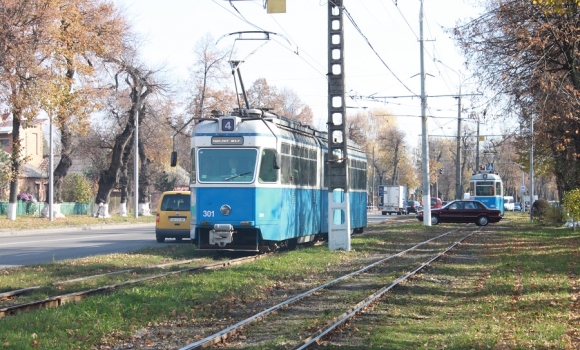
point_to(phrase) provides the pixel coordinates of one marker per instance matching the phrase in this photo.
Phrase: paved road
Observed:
(35, 247)
(55, 244)
(376, 217)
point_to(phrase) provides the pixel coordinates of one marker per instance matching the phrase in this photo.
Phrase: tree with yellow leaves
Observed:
(24, 52)
(87, 32)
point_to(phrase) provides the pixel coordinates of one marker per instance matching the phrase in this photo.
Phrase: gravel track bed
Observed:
(174, 335)
(283, 329)
(355, 334)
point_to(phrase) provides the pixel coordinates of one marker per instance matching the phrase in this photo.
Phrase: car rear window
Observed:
(175, 202)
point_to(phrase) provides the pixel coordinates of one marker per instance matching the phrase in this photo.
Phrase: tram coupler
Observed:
(221, 234)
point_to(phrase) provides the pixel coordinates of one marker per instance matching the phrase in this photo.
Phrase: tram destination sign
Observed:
(227, 140)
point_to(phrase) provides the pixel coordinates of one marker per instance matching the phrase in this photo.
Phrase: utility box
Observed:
(393, 200)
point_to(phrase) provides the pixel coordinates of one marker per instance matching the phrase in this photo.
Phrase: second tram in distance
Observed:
(487, 187)
(258, 184)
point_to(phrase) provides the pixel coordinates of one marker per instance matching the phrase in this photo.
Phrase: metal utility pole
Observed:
(477, 147)
(373, 181)
(136, 164)
(338, 192)
(458, 180)
(425, 132)
(531, 167)
(50, 176)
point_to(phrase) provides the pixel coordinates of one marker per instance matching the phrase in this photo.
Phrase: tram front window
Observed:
(484, 188)
(226, 165)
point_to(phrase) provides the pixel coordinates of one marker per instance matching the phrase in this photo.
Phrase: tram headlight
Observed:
(225, 209)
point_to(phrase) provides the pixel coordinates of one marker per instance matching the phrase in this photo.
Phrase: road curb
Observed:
(96, 227)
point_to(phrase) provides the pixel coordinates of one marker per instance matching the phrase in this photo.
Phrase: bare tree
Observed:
(140, 82)
(208, 90)
(294, 108)
(261, 95)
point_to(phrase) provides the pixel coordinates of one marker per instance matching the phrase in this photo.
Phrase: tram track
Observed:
(296, 322)
(58, 300)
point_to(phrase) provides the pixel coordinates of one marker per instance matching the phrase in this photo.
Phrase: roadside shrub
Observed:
(571, 201)
(556, 216)
(540, 209)
(25, 197)
(76, 188)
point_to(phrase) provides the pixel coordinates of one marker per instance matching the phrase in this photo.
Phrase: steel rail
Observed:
(5, 295)
(59, 300)
(230, 331)
(370, 299)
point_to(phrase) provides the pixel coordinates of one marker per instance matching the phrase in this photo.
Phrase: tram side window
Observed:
(267, 171)
(357, 176)
(286, 169)
(498, 189)
(286, 166)
(296, 173)
(192, 178)
(298, 165)
(313, 165)
(325, 167)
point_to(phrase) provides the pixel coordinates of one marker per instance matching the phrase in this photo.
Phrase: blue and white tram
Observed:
(257, 183)
(487, 187)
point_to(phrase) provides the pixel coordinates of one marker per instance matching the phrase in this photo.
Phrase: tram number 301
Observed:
(208, 214)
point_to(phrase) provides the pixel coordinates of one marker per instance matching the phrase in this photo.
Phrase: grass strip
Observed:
(513, 286)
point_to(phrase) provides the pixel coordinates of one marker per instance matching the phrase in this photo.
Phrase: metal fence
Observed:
(71, 208)
(34, 209)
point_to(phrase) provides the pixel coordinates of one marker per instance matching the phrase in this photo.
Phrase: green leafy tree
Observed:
(165, 181)
(76, 188)
(571, 202)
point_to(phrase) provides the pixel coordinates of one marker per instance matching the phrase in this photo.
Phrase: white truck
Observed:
(508, 203)
(393, 200)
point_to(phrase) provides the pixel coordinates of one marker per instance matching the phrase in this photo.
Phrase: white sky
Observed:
(172, 27)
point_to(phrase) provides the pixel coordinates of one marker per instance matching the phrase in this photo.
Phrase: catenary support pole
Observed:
(136, 164)
(425, 133)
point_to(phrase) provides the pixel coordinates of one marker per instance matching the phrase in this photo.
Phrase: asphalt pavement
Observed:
(95, 227)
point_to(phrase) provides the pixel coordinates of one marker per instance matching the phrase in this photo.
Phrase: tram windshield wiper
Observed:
(237, 175)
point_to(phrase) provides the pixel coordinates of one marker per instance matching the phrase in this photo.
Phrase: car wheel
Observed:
(434, 220)
(179, 239)
(482, 221)
(160, 239)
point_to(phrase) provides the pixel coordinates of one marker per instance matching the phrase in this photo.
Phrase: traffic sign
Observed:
(523, 188)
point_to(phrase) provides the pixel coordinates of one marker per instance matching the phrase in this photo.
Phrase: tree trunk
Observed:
(144, 182)
(109, 178)
(66, 146)
(124, 181)
(395, 162)
(61, 171)
(15, 163)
